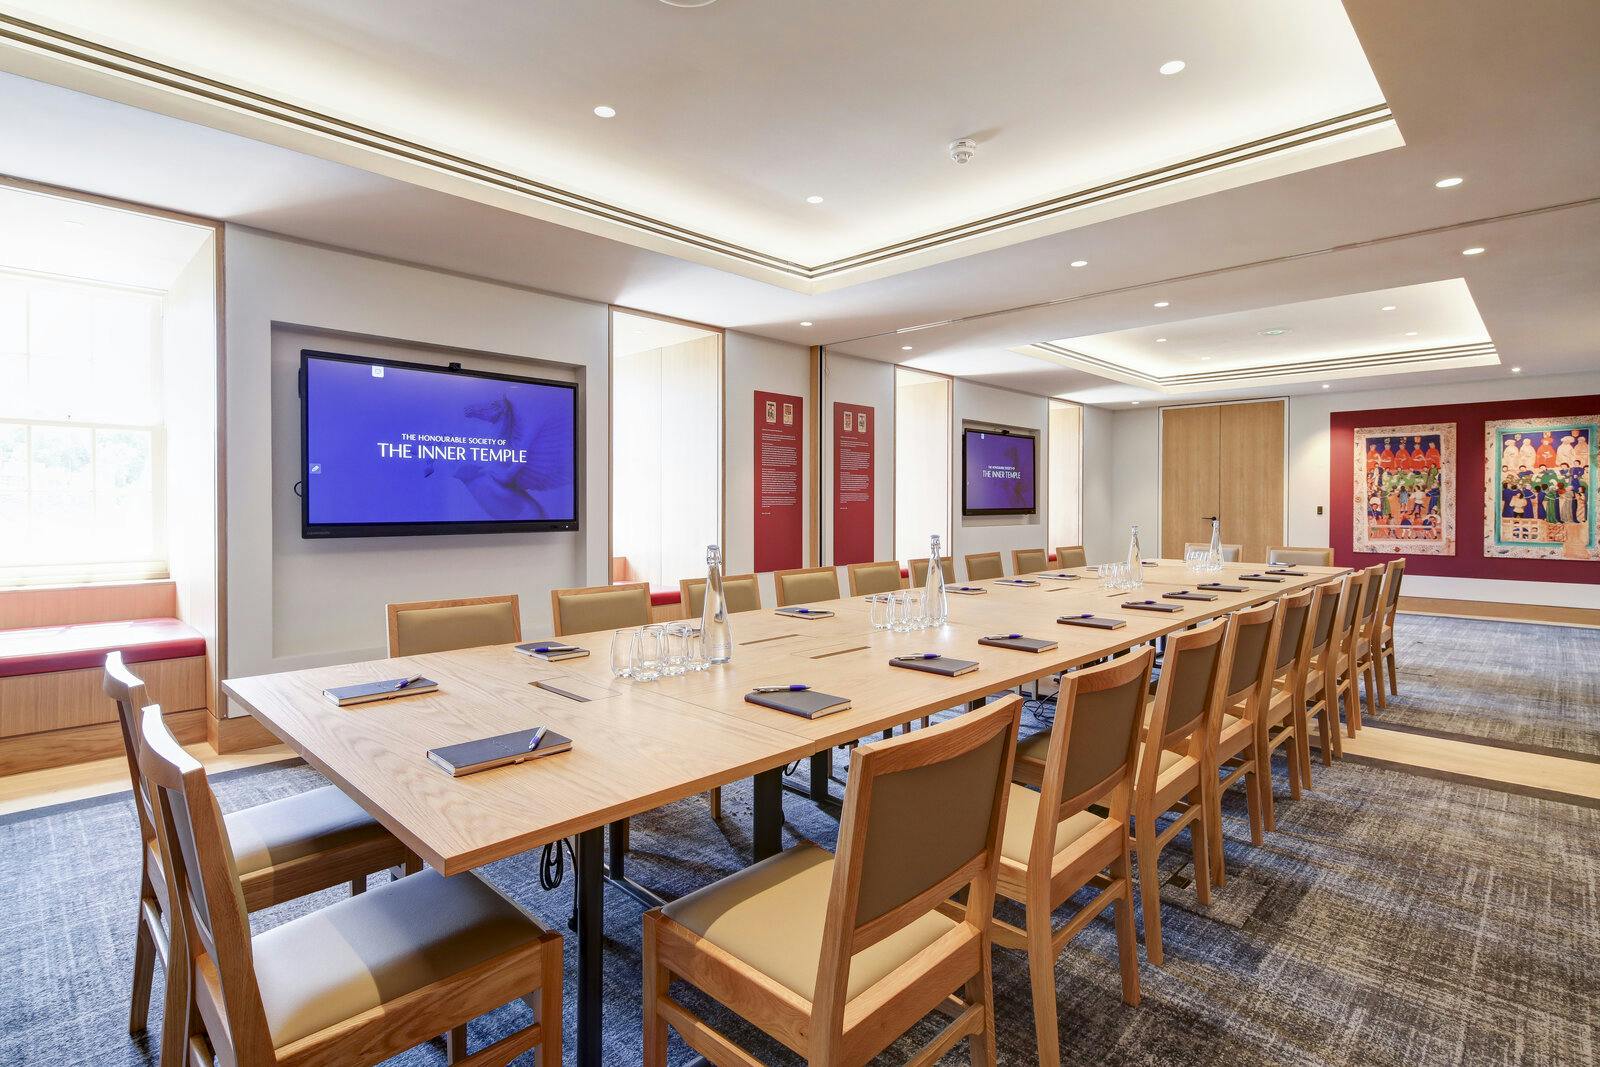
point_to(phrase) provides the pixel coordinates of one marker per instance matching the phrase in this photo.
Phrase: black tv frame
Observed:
(998, 432)
(322, 531)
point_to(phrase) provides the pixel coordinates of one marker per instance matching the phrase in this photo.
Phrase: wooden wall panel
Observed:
(37, 703)
(1251, 451)
(110, 602)
(59, 748)
(1190, 476)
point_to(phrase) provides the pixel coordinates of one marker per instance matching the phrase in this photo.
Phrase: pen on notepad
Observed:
(546, 649)
(407, 683)
(780, 689)
(1080, 615)
(1003, 637)
(538, 735)
(920, 655)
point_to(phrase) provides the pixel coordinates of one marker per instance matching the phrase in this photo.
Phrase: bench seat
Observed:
(82, 646)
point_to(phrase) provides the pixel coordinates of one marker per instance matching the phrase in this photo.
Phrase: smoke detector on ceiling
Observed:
(963, 150)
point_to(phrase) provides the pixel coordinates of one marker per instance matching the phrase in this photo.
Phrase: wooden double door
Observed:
(1224, 460)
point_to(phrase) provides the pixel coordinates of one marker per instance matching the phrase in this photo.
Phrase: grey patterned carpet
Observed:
(1393, 919)
(1536, 687)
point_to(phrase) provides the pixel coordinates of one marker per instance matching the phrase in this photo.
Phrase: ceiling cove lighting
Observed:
(1447, 183)
(1387, 307)
(1411, 333)
(807, 323)
(606, 111)
(1161, 340)
(813, 199)
(905, 348)
(1516, 370)
(1276, 331)
(1162, 303)
(1080, 263)
(1325, 385)
(1173, 66)
(1475, 250)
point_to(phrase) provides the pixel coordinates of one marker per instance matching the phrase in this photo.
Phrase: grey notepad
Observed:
(1292, 574)
(1151, 605)
(965, 590)
(387, 689)
(1220, 588)
(1020, 644)
(1258, 578)
(1015, 581)
(552, 651)
(1184, 594)
(944, 665)
(808, 703)
(805, 613)
(1061, 577)
(469, 757)
(1098, 622)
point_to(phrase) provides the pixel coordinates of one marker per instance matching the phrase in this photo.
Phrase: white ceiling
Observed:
(730, 116)
(642, 333)
(70, 238)
(1499, 94)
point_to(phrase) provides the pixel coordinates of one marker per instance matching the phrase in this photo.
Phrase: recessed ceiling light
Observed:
(688, 3)
(1162, 303)
(1205, 359)
(1161, 340)
(1276, 331)
(1135, 403)
(1325, 385)
(1447, 183)
(1475, 250)
(1173, 66)
(1516, 370)
(606, 111)
(905, 348)
(813, 199)
(1411, 333)
(1080, 263)
(805, 324)
(1387, 307)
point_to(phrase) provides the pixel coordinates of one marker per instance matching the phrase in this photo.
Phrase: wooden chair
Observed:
(1071, 556)
(446, 625)
(982, 565)
(1301, 557)
(352, 984)
(1029, 560)
(1230, 553)
(1236, 744)
(281, 850)
(919, 570)
(1054, 845)
(880, 577)
(837, 956)
(1282, 720)
(1382, 637)
(741, 591)
(1363, 654)
(1321, 699)
(597, 608)
(1346, 679)
(806, 585)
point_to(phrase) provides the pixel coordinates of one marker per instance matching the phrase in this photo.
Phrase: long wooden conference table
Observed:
(639, 746)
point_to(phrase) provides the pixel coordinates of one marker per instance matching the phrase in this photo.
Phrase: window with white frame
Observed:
(81, 486)
(921, 462)
(1066, 474)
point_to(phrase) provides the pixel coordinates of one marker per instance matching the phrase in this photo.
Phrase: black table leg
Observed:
(591, 937)
(767, 834)
(617, 838)
(821, 773)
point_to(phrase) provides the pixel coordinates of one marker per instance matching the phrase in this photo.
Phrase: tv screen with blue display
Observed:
(405, 448)
(997, 473)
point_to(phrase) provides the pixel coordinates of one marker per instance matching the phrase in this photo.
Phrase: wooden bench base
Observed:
(80, 744)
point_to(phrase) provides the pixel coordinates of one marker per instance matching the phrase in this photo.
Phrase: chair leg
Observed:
(455, 1045)
(656, 983)
(548, 1054)
(1376, 698)
(1257, 796)
(1200, 844)
(1352, 703)
(1149, 888)
(980, 990)
(1394, 683)
(358, 885)
(1042, 973)
(1211, 798)
(1127, 936)
(1302, 744)
(144, 973)
(716, 804)
(1291, 755)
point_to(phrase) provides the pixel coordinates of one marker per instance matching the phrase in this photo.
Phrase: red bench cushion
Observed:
(46, 649)
(661, 597)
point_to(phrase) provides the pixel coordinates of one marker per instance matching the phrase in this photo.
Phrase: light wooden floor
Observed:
(59, 785)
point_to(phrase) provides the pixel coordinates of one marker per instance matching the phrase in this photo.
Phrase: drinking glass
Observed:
(1102, 575)
(880, 611)
(916, 610)
(674, 650)
(622, 653)
(648, 652)
(694, 649)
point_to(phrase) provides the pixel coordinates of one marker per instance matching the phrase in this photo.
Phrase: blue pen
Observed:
(803, 611)
(921, 655)
(546, 649)
(1080, 615)
(1003, 637)
(780, 689)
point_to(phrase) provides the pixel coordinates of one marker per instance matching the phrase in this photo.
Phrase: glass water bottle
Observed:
(935, 602)
(1135, 561)
(715, 635)
(1214, 553)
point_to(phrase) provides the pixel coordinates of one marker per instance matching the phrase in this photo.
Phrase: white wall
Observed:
(1134, 465)
(751, 363)
(869, 382)
(294, 603)
(1100, 544)
(982, 404)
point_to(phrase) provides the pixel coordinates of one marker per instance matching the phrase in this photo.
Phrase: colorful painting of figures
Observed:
(1405, 489)
(1539, 479)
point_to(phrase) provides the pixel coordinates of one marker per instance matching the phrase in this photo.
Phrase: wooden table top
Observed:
(639, 746)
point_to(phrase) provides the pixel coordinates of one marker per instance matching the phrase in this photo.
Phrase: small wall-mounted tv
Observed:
(391, 448)
(998, 472)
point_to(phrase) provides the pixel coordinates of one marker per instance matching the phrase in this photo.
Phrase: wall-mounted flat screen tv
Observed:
(998, 473)
(390, 448)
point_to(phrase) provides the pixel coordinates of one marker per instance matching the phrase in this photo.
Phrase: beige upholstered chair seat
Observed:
(1303, 557)
(272, 834)
(1233, 726)
(444, 629)
(771, 916)
(808, 587)
(1022, 810)
(1169, 764)
(740, 591)
(1035, 747)
(608, 609)
(880, 577)
(372, 949)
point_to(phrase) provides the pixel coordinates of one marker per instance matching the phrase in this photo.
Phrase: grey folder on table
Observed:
(471, 756)
(941, 665)
(1098, 622)
(808, 703)
(1020, 644)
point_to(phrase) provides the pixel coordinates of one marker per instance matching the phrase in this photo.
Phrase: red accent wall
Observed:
(1469, 560)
